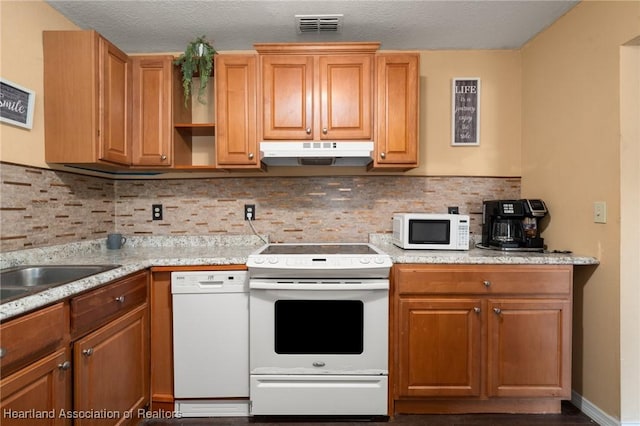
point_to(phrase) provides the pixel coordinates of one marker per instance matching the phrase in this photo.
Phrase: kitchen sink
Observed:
(24, 280)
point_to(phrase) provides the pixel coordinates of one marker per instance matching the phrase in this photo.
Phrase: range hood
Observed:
(316, 153)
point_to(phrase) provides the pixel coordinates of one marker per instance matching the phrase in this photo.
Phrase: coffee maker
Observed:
(512, 225)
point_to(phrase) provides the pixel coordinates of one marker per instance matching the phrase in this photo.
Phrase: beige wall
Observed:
(629, 232)
(498, 154)
(22, 23)
(571, 158)
(500, 117)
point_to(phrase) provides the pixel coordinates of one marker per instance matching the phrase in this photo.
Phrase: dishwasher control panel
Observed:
(209, 281)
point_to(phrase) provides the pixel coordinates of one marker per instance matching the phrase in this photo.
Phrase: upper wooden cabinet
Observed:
(316, 91)
(152, 119)
(397, 111)
(236, 105)
(87, 82)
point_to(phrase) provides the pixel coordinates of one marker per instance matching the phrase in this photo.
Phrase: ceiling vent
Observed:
(319, 23)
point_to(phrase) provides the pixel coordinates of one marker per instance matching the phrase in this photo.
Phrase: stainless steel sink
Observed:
(23, 280)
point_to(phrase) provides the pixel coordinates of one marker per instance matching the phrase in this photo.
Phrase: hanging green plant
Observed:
(197, 59)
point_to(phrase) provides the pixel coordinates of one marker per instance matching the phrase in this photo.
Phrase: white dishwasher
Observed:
(211, 343)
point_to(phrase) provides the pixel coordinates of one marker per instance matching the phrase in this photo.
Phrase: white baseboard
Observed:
(595, 413)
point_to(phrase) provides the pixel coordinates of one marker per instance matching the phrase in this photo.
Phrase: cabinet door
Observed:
(44, 388)
(236, 104)
(345, 97)
(529, 351)
(439, 349)
(287, 97)
(115, 101)
(397, 96)
(112, 368)
(152, 130)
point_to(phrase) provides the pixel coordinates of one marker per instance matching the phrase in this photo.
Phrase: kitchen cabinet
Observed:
(111, 367)
(36, 366)
(111, 349)
(236, 112)
(480, 338)
(94, 346)
(152, 139)
(321, 91)
(43, 388)
(87, 102)
(397, 111)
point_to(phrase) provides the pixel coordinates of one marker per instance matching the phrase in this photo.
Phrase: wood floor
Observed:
(570, 416)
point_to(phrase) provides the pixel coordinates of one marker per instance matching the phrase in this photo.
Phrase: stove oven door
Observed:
(303, 327)
(319, 348)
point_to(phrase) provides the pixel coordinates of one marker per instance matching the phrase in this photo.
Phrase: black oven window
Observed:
(319, 326)
(429, 231)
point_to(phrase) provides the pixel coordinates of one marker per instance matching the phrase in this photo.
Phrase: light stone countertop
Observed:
(476, 256)
(144, 252)
(137, 254)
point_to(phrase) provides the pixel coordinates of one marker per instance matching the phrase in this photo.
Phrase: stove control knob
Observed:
(272, 260)
(258, 261)
(379, 260)
(365, 260)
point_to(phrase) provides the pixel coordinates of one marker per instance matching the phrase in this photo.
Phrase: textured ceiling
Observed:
(146, 26)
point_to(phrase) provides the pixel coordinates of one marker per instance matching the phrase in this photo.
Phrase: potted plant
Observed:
(197, 59)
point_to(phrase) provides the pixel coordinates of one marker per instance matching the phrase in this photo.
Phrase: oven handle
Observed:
(262, 285)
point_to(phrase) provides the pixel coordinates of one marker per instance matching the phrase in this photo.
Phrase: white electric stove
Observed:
(319, 329)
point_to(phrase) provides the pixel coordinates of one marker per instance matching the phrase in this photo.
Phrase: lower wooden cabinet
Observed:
(439, 347)
(39, 394)
(480, 338)
(111, 369)
(82, 362)
(529, 348)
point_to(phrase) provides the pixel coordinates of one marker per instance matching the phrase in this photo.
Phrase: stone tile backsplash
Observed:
(43, 207)
(40, 207)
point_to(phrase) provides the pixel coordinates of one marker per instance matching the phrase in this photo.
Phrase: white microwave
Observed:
(431, 231)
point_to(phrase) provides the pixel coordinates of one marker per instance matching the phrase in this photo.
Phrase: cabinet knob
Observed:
(324, 131)
(3, 352)
(163, 157)
(64, 365)
(383, 155)
(250, 156)
(498, 311)
(120, 299)
(477, 310)
(486, 283)
(87, 352)
(308, 130)
(318, 364)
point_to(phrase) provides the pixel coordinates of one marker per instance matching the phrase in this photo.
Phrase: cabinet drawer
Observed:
(31, 336)
(484, 279)
(93, 309)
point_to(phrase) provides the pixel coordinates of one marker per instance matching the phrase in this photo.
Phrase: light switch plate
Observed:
(600, 212)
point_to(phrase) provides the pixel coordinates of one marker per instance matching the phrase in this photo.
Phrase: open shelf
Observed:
(196, 129)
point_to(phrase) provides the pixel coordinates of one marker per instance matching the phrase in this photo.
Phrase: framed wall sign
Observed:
(16, 104)
(465, 112)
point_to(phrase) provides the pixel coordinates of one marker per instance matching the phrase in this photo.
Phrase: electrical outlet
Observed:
(249, 212)
(600, 212)
(156, 211)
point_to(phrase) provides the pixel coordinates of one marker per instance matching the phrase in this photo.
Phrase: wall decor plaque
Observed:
(16, 104)
(465, 113)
